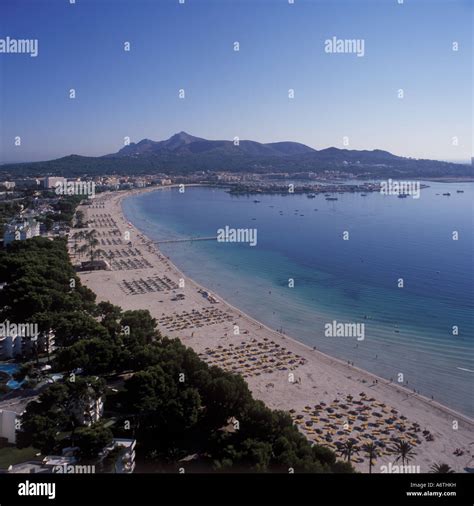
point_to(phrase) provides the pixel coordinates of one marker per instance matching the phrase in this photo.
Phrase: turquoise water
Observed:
(407, 330)
(11, 369)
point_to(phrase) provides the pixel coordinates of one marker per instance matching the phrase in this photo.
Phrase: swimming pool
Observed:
(11, 369)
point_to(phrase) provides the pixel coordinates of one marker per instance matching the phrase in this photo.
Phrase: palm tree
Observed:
(78, 236)
(371, 451)
(404, 451)
(91, 244)
(441, 469)
(347, 449)
(82, 249)
(98, 253)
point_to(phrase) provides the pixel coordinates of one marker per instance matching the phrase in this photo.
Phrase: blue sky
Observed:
(242, 93)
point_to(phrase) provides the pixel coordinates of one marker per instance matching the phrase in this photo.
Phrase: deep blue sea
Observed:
(408, 330)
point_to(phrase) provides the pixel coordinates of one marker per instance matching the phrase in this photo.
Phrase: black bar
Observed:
(240, 489)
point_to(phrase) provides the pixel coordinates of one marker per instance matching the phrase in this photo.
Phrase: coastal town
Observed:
(361, 417)
(30, 207)
(236, 252)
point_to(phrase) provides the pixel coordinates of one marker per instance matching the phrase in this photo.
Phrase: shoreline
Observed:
(341, 362)
(290, 395)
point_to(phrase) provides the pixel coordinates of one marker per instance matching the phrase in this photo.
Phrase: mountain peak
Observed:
(180, 139)
(185, 137)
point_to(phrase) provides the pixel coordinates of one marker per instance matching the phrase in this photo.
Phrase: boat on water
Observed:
(257, 201)
(447, 194)
(459, 191)
(402, 196)
(311, 196)
(363, 194)
(331, 198)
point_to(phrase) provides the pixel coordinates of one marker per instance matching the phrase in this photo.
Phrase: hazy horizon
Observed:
(459, 161)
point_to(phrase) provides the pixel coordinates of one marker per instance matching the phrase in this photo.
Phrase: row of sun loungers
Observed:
(108, 233)
(194, 319)
(130, 264)
(111, 242)
(253, 359)
(103, 222)
(123, 253)
(148, 285)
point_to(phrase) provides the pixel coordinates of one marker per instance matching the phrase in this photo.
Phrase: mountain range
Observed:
(182, 144)
(184, 153)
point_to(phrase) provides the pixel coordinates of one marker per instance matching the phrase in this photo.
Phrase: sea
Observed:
(401, 268)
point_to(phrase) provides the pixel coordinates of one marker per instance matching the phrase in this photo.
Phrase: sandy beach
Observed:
(329, 400)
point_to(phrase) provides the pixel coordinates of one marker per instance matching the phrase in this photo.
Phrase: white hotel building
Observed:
(20, 230)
